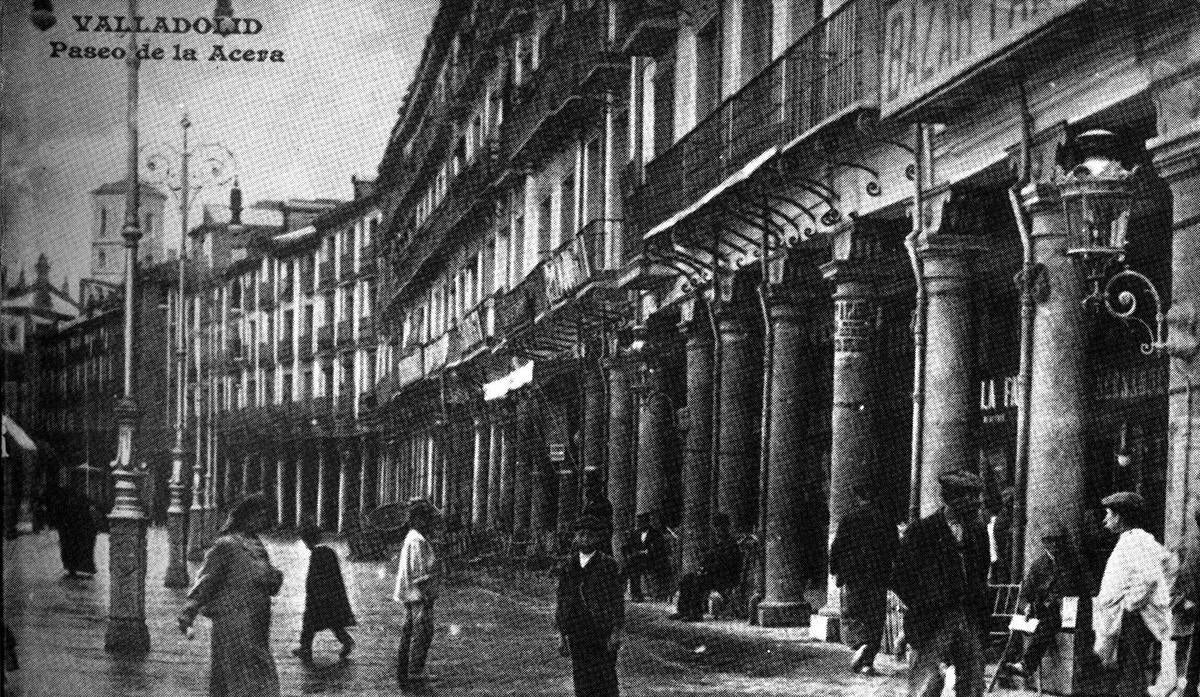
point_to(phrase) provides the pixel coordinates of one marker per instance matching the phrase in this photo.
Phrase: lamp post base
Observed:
(127, 635)
(177, 570)
(195, 536)
(783, 613)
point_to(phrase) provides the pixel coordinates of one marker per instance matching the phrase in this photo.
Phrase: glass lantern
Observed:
(1097, 196)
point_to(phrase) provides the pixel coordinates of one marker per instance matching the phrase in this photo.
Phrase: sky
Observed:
(298, 129)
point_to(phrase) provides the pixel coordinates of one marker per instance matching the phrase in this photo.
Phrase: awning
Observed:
(18, 435)
(499, 388)
(732, 180)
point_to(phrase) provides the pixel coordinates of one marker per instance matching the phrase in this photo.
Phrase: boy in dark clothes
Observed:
(326, 605)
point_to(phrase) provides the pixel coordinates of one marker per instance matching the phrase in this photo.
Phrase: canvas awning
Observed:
(18, 436)
(518, 378)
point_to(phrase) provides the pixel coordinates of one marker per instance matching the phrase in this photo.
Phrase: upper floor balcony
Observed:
(345, 333)
(346, 265)
(578, 60)
(473, 332)
(519, 308)
(828, 73)
(646, 27)
(580, 261)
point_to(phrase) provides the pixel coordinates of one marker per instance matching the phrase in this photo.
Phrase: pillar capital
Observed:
(948, 261)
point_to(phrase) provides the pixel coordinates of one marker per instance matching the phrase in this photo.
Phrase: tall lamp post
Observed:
(217, 167)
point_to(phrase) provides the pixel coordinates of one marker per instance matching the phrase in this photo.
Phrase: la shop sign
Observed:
(931, 43)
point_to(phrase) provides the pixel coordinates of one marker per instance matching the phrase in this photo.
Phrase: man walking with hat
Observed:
(591, 611)
(941, 576)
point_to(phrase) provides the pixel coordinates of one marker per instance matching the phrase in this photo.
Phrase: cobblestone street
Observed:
(490, 640)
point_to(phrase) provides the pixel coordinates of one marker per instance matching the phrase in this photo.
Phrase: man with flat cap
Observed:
(590, 613)
(941, 576)
(1134, 605)
(1054, 575)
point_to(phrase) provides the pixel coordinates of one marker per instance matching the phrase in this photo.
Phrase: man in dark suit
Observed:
(590, 613)
(719, 570)
(860, 557)
(1054, 575)
(645, 554)
(941, 576)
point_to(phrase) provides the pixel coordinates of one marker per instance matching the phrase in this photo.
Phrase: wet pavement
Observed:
(494, 636)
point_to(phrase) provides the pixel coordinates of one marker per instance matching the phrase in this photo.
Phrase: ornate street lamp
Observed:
(218, 165)
(1097, 197)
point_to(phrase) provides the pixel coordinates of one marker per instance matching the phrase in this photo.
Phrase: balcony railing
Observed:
(306, 349)
(325, 337)
(345, 333)
(366, 330)
(285, 350)
(436, 353)
(578, 59)
(578, 261)
(830, 71)
(517, 309)
(347, 265)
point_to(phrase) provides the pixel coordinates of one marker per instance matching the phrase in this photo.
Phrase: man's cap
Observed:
(590, 523)
(1125, 502)
(960, 481)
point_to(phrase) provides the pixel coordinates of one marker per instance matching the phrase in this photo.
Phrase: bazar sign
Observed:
(929, 43)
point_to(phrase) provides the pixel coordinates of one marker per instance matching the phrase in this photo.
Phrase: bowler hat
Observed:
(590, 523)
(960, 481)
(1125, 502)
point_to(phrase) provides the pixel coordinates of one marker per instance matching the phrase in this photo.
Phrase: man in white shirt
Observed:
(416, 587)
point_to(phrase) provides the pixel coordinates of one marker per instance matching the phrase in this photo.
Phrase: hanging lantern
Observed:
(1097, 197)
(42, 14)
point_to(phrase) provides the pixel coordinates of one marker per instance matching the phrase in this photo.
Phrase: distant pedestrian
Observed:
(10, 654)
(1055, 574)
(645, 554)
(860, 558)
(1133, 607)
(77, 530)
(326, 605)
(234, 590)
(590, 612)
(417, 588)
(720, 569)
(941, 577)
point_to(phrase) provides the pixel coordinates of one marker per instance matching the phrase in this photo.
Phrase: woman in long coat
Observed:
(76, 522)
(326, 604)
(234, 590)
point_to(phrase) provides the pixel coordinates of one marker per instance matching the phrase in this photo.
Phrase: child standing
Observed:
(326, 605)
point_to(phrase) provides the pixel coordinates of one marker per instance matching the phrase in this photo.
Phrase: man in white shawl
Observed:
(416, 587)
(1134, 600)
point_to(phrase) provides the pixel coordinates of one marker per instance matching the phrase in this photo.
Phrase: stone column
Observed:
(951, 410)
(506, 521)
(622, 477)
(852, 450)
(1057, 397)
(300, 483)
(1176, 154)
(479, 477)
(366, 478)
(281, 488)
(322, 476)
(495, 453)
(697, 454)
(522, 476)
(654, 424)
(793, 465)
(593, 421)
(737, 437)
(343, 486)
(542, 472)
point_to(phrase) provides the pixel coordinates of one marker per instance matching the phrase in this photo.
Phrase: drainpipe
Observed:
(1187, 452)
(764, 436)
(921, 134)
(715, 468)
(1025, 376)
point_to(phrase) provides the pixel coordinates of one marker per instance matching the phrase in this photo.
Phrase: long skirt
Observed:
(242, 665)
(864, 612)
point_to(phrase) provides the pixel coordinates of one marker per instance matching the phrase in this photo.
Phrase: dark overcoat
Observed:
(863, 548)
(591, 606)
(326, 605)
(931, 576)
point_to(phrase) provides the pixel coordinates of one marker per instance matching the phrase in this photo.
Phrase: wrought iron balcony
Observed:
(517, 310)
(826, 74)
(325, 337)
(347, 265)
(646, 27)
(345, 333)
(306, 347)
(366, 330)
(578, 261)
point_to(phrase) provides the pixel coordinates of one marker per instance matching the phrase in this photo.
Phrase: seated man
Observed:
(719, 570)
(645, 554)
(1054, 575)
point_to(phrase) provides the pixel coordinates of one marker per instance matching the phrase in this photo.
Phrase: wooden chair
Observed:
(1004, 608)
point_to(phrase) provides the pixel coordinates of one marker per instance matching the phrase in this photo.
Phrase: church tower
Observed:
(108, 217)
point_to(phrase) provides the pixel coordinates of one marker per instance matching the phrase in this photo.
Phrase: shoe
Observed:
(1016, 668)
(346, 649)
(303, 655)
(859, 660)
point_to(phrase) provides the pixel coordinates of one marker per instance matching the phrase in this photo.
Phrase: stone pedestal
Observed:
(479, 475)
(126, 632)
(852, 442)
(697, 454)
(654, 424)
(347, 464)
(737, 435)
(789, 454)
(622, 477)
(951, 386)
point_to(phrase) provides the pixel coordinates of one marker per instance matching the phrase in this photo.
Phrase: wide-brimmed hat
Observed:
(1125, 502)
(960, 482)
